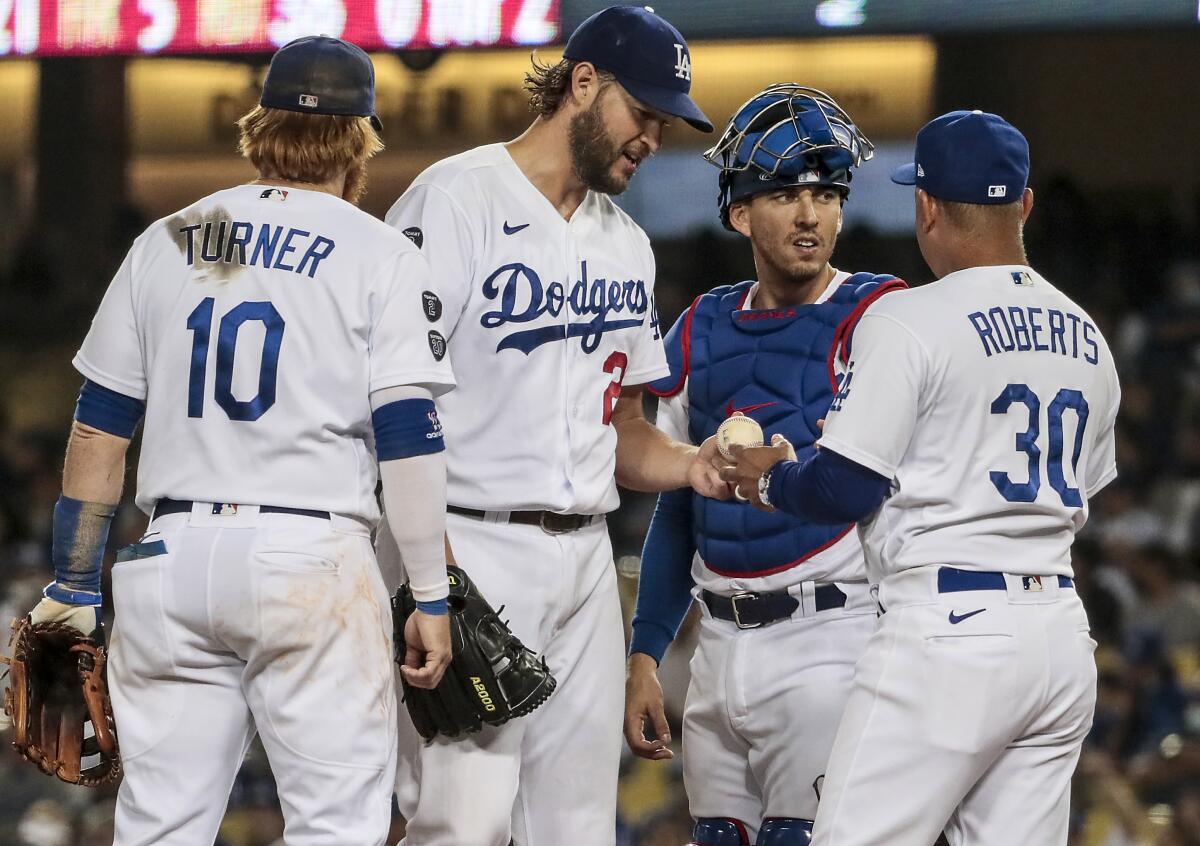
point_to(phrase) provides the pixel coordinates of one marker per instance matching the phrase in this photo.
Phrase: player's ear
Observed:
(739, 218)
(1026, 204)
(585, 83)
(927, 211)
(841, 220)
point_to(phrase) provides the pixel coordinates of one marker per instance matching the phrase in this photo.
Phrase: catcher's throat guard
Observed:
(492, 677)
(57, 698)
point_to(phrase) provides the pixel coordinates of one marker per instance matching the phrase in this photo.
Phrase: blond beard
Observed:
(356, 183)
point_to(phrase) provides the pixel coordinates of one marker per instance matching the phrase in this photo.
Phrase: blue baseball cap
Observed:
(646, 54)
(323, 76)
(969, 157)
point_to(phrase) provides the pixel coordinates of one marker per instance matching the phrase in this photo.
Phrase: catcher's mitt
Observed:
(492, 677)
(56, 689)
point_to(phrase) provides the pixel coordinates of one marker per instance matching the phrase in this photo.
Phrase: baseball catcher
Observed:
(57, 695)
(492, 678)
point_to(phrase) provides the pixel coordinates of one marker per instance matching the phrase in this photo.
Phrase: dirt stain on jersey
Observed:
(204, 239)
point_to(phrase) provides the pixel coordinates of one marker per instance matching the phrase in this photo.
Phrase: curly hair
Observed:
(548, 85)
(302, 147)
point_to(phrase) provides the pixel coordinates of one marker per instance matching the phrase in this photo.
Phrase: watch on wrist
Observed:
(764, 482)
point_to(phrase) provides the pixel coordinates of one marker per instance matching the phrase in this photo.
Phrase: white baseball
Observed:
(738, 429)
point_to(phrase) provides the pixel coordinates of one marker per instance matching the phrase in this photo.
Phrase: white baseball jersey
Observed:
(548, 319)
(843, 561)
(990, 398)
(255, 324)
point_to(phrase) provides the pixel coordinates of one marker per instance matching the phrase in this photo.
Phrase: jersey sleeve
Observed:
(647, 361)
(874, 411)
(408, 338)
(1101, 465)
(678, 351)
(673, 416)
(111, 355)
(433, 220)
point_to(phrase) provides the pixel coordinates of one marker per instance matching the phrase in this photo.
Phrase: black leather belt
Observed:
(550, 522)
(751, 610)
(179, 506)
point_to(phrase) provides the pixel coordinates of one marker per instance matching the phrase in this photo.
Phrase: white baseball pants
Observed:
(968, 712)
(274, 623)
(548, 779)
(763, 706)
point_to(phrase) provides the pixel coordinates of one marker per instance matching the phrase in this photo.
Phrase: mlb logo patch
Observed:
(276, 194)
(997, 190)
(225, 509)
(1031, 584)
(309, 101)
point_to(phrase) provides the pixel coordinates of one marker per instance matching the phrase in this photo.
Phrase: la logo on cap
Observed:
(683, 64)
(308, 100)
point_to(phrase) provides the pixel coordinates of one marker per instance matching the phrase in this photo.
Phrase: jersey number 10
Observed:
(1027, 442)
(200, 322)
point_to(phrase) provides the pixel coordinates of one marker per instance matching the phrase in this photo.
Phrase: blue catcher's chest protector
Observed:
(773, 365)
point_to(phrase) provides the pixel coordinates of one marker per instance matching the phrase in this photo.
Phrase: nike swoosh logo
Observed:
(955, 619)
(746, 409)
(511, 230)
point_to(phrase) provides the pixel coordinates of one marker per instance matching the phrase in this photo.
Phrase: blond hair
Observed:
(302, 147)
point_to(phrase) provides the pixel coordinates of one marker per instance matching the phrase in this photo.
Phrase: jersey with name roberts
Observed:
(990, 398)
(255, 324)
(548, 319)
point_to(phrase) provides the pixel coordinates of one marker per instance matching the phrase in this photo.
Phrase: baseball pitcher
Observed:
(549, 301)
(281, 345)
(982, 406)
(785, 604)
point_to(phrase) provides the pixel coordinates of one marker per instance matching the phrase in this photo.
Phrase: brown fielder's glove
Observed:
(492, 677)
(56, 688)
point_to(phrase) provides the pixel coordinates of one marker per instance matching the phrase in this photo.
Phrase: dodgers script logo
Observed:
(523, 298)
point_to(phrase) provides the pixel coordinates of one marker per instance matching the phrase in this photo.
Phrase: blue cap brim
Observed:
(668, 100)
(906, 174)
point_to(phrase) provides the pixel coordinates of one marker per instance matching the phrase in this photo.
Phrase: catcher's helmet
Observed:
(786, 135)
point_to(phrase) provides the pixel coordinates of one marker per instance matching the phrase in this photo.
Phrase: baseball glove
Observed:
(56, 689)
(492, 677)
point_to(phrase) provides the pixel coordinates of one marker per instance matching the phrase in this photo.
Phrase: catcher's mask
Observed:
(786, 135)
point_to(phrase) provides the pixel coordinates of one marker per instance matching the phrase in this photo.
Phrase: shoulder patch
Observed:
(437, 345)
(414, 234)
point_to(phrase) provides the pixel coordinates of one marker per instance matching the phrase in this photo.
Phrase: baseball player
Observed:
(785, 601)
(278, 341)
(974, 422)
(549, 301)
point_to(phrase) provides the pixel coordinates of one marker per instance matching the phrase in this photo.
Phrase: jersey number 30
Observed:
(200, 323)
(1027, 442)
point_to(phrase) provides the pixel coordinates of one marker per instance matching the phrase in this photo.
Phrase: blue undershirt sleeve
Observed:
(665, 588)
(406, 428)
(826, 488)
(107, 410)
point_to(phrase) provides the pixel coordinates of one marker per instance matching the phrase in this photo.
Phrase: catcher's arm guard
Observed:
(56, 688)
(492, 677)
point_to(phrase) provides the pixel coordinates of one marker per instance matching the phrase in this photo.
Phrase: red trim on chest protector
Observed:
(687, 354)
(738, 574)
(841, 337)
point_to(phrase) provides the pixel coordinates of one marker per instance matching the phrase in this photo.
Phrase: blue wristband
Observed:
(78, 538)
(65, 595)
(436, 607)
